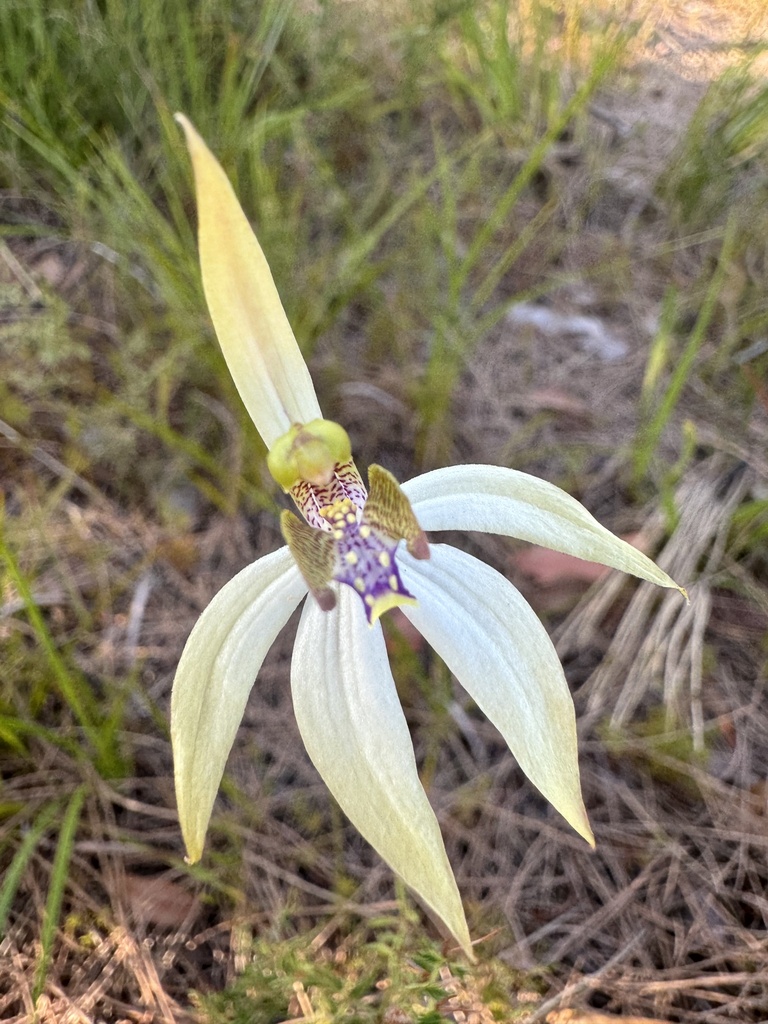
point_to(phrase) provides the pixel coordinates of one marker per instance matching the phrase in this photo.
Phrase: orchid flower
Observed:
(358, 553)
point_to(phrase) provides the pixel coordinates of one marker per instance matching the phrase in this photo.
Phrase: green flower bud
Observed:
(309, 452)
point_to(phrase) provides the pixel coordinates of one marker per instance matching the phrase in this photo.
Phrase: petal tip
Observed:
(184, 123)
(194, 847)
(585, 830)
(466, 949)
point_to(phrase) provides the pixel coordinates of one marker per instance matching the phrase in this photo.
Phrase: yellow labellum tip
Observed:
(386, 602)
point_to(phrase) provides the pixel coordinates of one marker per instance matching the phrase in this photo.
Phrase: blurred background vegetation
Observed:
(531, 234)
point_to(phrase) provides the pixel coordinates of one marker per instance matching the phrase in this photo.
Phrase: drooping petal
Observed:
(253, 330)
(218, 666)
(494, 644)
(493, 499)
(354, 730)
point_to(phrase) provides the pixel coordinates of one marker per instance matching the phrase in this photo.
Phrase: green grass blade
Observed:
(15, 871)
(59, 874)
(72, 686)
(506, 203)
(648, 442)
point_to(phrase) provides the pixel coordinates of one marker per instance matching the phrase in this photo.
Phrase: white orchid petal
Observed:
(493, 499)
(218, 666)
(354, 730)
(494, 644)
(253, 330)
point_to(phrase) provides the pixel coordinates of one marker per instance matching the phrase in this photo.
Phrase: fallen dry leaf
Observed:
(557, 400)
(549, 568)
(159, 901)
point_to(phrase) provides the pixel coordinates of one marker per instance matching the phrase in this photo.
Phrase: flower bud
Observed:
(309, 452)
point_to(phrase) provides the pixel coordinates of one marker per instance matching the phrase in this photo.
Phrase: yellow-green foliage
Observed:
(397, 976)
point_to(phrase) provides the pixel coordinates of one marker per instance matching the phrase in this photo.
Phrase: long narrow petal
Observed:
(493, 499)
(494, 644)
(355, 732)
(253, 330)
(220, 661)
